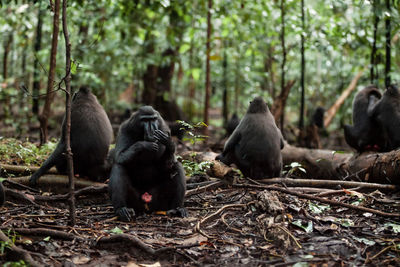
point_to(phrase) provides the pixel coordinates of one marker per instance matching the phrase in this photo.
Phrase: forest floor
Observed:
(234, 222)
(227, 225)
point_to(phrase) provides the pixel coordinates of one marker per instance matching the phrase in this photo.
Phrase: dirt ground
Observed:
(227, 225)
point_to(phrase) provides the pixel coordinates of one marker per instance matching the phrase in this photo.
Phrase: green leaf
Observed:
(184, 48)
(395, 227)
(116, 231)
(196, 73)
(46, 239)
(307, 227)
(74, 67)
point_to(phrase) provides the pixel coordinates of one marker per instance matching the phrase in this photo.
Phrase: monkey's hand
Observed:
(162, 137)
(125, 214)
(178, 212)
(165, 139)
(33, 180)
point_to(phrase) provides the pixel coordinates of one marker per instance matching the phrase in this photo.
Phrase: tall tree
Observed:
(67, 129)
(282, 7)
(373, 71)
(36, 70)
(44, 116)
(303, 68)
(388, 39)
(208, 48)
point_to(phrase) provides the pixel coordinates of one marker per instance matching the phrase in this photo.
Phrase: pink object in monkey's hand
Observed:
(146, 197)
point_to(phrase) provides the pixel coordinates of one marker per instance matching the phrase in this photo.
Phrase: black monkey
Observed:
(2, 195)
(233, 122)
(255, 145)
(318, 117)
(146, 176)
(91, 135)
(386, 112)
(366, 133)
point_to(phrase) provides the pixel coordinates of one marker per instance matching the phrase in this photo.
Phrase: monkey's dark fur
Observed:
(318, 117)
(386, 112)
(366, 133)
(91, 136)
(255, 145)
(232, 124)
(145, 165)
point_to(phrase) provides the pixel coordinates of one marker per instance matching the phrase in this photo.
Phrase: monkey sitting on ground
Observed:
(366, 132)
(255, 145)
(232, 124)
(146, 176)
(386, 112)
(91, 136)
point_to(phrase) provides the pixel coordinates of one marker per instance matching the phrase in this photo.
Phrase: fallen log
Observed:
(56, 183)
(22, 170)
(321, 164)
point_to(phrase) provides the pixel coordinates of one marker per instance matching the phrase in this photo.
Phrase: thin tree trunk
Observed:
(388, 39)
(7, 49)
(68, 116)
(44, 117)
(36, 71)
(373, 77)
(283, 59)
(208, 47)
(303, 66)
(225, 86)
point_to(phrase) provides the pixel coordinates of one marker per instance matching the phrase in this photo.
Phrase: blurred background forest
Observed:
(155, 52)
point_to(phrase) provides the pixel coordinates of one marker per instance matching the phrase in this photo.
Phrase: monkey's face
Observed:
(150, 125)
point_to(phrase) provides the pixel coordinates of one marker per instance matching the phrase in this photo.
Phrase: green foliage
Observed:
(24, 153)
(292, 167)
(193, 168)
(122, 38)
(20, 263)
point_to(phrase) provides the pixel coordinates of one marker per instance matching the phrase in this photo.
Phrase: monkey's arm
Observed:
(50, 162)
(232, 142)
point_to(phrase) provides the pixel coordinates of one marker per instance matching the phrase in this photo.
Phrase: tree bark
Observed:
(388, 46)
(282, 115)
(44, 116)
(36, 71)
(207, 82)
(373, 77)
(303, 68)
(67, 130)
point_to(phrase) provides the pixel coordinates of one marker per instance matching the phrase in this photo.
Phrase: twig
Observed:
(46, 232)
(320, 199)
(125, 238)
(212, 215)
(19, 195)
(327, 183)
(290, 235)
(84, 191)
(203, 188)
(20, 253)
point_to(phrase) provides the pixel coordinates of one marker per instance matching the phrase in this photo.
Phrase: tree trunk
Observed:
(67, 130)
(207, 83)
(282, 115)
(303, 66)
(44, 116)
(7, 49)
(388, 46)
(36, 68)
(373, 66)
(225, 111)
